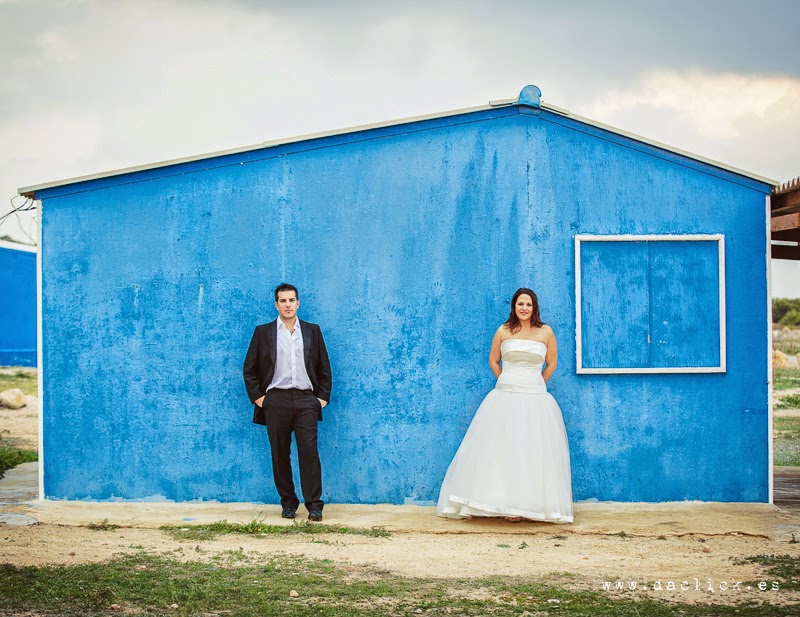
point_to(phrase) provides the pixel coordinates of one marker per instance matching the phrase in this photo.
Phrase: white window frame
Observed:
(580, 238)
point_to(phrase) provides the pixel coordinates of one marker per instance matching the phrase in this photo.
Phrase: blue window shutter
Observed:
(684, 292)
(615, 311)
(650, 304)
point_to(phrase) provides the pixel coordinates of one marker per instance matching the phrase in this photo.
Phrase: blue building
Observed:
(17, 304)
(407, 240)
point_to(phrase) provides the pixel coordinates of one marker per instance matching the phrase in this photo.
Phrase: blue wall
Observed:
(17, 307)
(406, 243)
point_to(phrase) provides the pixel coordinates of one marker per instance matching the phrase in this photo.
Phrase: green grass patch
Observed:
(152, 585)
(209, 531)
(247, 585)
(783, 568)
(104, 525)
(25, 381)
(787, 427)
(11, 457)
(785, 378)
(790, 401)
(786, 441)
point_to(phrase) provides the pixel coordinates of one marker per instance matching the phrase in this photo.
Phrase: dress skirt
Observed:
(513, 461)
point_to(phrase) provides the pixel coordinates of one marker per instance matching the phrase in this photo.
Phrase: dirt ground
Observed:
(687, 547)
(576, 561)
(20, 427)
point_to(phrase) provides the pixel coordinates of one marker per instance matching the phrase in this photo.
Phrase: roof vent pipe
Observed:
(530, 96)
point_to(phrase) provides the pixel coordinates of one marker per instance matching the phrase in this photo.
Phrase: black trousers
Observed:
(298, 411)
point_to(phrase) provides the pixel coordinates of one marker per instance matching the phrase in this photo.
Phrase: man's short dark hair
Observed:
(286, 287)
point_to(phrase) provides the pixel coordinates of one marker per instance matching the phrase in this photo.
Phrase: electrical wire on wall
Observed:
(28, 205)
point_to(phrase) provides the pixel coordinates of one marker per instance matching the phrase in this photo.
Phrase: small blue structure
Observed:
(407, 240)
(17, 304)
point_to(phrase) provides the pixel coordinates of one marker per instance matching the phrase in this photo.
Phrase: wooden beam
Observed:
(786, 252)
(786, 203)
(785, 222)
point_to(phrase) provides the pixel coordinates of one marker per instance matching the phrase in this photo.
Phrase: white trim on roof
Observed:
(17, 246)
(663, 146)
(29, 191)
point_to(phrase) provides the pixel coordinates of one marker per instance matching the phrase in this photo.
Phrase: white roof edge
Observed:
(663, 146)
(28, 191)
(17, 246)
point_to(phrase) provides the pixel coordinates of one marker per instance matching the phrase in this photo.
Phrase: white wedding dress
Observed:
(514, 459)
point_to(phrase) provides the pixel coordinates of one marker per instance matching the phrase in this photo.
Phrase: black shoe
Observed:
(315, 515)
(288, 512)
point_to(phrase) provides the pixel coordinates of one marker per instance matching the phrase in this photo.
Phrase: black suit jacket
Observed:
(259, 363)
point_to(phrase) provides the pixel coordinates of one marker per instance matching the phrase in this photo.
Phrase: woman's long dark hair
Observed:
(513, 321)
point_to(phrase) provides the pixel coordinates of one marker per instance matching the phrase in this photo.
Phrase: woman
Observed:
(514, 459)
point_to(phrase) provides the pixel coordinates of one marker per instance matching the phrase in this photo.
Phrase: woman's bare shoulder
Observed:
(548, 331)
(503, 331)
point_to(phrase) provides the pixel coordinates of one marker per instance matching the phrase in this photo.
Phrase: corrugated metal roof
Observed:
(786, 198)
(787, 187)
(524, 99)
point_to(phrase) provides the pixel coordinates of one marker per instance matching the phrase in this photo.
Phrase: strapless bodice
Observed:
(522, 362)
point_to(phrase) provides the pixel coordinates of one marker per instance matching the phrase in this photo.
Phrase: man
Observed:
(288, 378)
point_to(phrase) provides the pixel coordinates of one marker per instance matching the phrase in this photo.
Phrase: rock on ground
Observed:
(13, 398)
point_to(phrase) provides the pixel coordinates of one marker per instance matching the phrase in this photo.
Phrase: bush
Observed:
(11, 457)
(792, 318)
(782, 306)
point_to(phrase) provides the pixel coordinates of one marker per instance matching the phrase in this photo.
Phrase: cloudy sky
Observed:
(90, 86)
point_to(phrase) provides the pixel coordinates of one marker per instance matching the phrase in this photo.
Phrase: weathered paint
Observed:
(406, 244)
(17, 305)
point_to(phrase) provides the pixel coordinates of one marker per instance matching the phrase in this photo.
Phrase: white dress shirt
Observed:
(290, 365)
